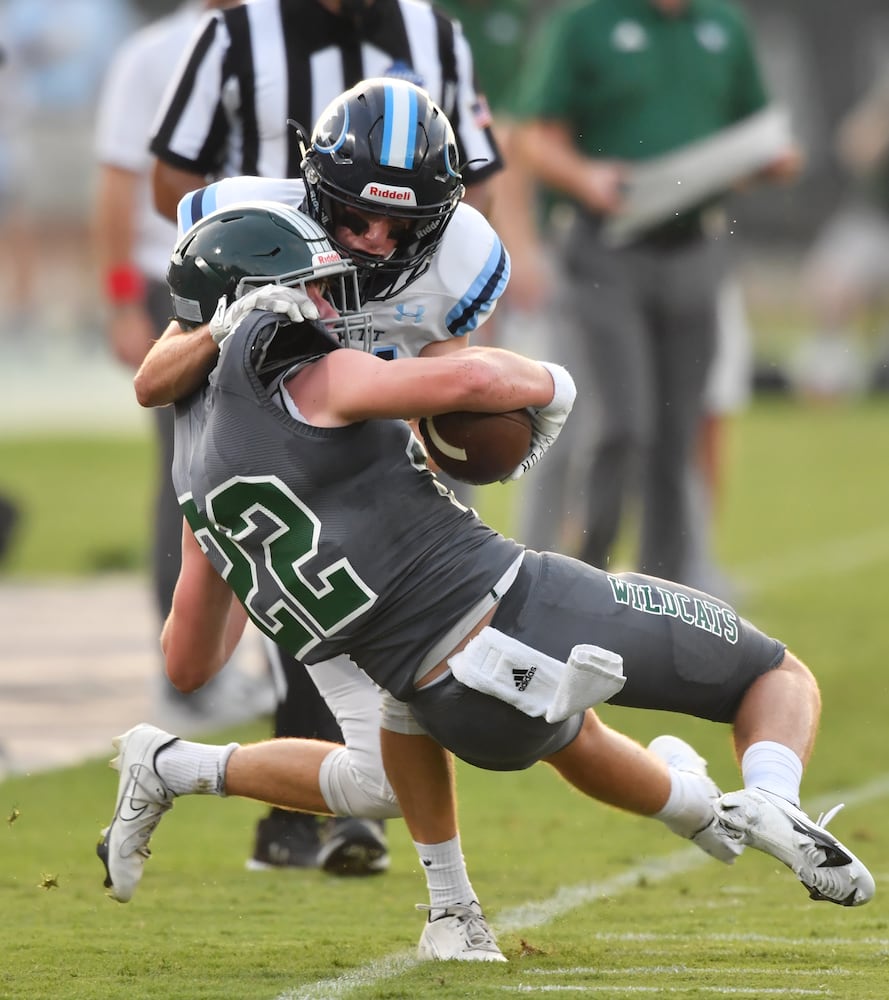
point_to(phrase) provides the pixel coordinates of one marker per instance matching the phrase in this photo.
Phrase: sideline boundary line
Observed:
(839, 555)
(536, 914)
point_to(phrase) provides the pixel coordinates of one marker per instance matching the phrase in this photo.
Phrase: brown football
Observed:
(477, 448)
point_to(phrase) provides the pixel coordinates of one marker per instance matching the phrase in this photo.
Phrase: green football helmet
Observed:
(235, 249)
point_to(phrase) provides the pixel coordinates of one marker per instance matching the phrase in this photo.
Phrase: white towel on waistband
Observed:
(591, 675)
(498, 665)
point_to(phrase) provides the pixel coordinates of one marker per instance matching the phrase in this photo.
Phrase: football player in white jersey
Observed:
(454, 295)
(431, 267)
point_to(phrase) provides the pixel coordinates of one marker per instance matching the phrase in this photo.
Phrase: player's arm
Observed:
(205, 622)
(181, 360)
(472, 268)
(349, 386)
(441, 348)
(176, 366)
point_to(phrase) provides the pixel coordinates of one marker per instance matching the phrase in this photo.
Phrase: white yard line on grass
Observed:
(660, 990)
(686, 970)
(841, 555)
(668, 971)
(536, 914)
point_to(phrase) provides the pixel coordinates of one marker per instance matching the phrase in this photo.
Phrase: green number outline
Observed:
(306, 611)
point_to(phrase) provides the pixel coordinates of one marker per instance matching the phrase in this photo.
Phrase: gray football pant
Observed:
(637, 327)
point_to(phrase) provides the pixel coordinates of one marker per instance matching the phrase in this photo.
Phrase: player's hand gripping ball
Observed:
(477, 448)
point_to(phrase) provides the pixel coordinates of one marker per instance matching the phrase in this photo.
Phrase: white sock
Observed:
(774, 768)
(446, 875)
(194, 768)
(690, 806)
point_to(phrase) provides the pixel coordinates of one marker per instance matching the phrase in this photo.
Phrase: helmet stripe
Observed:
(399, 127)
(305, 226)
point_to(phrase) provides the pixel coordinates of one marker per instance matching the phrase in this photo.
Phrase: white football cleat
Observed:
(711, 837)
(460, 933)
(827, 868)
(142, 799)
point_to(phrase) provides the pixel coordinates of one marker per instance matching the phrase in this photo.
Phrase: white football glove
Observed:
(290, 302)
(547, 422)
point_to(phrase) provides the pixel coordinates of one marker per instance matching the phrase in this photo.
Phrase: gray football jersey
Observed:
(336, 540)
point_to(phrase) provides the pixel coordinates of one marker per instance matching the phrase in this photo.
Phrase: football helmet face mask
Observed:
(386, 148)
(238, 248)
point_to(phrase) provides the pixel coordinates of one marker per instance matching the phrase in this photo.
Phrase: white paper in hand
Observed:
(665, 186)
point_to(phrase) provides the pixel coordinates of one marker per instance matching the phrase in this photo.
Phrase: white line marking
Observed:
(784, 942)
(685, 970)
(842, 555)
(536, 914)
(742, 991)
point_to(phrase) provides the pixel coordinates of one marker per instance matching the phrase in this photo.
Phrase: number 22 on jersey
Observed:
(263, 541)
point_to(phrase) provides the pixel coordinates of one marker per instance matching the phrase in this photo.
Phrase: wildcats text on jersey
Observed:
(698, 612)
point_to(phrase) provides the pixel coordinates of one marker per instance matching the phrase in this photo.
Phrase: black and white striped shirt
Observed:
(251, 67)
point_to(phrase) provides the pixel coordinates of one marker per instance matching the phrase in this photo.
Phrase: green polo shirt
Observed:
(631, 82)
(497, 31)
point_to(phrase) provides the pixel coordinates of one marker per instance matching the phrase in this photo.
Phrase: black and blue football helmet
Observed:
(385, 147)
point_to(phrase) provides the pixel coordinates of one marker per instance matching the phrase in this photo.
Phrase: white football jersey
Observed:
(455, 295)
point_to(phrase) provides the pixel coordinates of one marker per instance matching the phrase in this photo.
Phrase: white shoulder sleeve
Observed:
(473, 267)
(233, 190)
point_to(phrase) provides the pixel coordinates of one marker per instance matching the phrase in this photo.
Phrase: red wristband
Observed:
(124, 285)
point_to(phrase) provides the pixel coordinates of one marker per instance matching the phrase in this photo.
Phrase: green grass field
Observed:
(585, 900)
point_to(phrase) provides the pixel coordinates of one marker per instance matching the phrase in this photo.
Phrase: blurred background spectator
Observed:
(612, 87)
(45, 198)
(771, 227)
(727, 392)
(56, 52)
(133, 243)
(846, 272)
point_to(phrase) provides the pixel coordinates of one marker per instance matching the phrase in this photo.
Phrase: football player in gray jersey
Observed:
(381, 176)
(374, 197)
(310, 501)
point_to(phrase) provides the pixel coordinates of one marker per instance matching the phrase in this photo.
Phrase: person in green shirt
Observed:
(498, 32)
(612, 83)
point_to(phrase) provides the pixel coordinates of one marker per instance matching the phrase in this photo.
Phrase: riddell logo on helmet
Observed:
(328, 257)
(387, 194)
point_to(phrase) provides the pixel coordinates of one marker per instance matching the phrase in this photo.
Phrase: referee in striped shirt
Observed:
(248, 70)
(252, 67)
